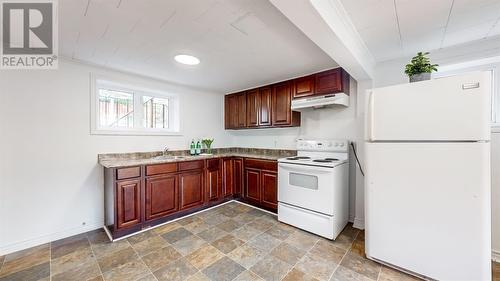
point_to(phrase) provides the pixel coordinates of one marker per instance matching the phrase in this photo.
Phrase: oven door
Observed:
(309, 187)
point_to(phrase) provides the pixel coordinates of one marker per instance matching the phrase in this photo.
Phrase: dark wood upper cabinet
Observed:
(191, 189)
(233, 111)
(303, 87)
(331, 81)
(265, 110)
(270, 106)
(242, 110)
(282, 102)
(128, 203)
(253, 105)
(161, 196)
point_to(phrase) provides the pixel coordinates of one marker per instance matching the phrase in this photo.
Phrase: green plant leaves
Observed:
(420, 64)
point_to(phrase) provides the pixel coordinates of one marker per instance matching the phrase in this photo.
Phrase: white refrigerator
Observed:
(427, 184)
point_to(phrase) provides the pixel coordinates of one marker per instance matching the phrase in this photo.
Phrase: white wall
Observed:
(50, 180)
(392, 72)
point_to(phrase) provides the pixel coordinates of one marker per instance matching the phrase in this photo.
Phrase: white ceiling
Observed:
(396, 28)
(241, 43)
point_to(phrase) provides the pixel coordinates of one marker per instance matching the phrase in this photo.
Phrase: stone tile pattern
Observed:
(236, 242)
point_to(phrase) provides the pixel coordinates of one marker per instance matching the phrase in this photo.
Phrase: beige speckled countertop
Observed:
(117, 160)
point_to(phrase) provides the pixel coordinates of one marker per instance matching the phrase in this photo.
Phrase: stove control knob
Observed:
(336, 144)
(342, 145)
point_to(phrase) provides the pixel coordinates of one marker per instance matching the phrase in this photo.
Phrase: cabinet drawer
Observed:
(127, 173)
(161, 169)
(190, 165)
(213, 163)
(261, 164)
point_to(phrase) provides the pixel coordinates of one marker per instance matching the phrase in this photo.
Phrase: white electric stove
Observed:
(313, 187)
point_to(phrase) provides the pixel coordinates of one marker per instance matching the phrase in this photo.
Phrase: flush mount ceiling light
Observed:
(187, 59)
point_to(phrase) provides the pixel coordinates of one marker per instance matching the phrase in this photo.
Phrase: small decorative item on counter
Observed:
(420, 68)
(192, 148)
(198, 148)
(208, 144)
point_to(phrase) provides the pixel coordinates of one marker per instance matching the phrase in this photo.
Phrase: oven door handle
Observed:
(307, 168)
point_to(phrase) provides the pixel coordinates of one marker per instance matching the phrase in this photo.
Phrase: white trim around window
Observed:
(136, 121)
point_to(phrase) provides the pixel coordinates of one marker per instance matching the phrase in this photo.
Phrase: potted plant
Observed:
(420, 68)
(208, 144)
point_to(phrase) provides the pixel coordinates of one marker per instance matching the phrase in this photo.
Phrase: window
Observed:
(129, 110)
(493, 66)
(116, 109)
(155, 112)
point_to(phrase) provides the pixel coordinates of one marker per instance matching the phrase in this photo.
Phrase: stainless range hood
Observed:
(320, 101)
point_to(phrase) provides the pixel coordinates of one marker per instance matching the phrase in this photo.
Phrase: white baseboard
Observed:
(21, 245)
(359, 223)
(495, 255)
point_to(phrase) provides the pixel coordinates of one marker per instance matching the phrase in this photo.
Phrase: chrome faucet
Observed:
(165, 150)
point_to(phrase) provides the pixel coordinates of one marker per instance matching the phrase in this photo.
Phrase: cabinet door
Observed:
(227, 177)
(242, 110)
(162, 196)
(303, 87)
(269, 183)
(282, 102)
(213, 184)
(252, 185)
(191, 189)
(265, 96)
(231, 111)
(253, 105)
(128, 203)
(329, 81)
(238, 175)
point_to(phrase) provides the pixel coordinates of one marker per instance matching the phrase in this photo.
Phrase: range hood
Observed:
(320, 101)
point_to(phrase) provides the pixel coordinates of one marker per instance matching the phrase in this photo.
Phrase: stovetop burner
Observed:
(298, 158)
(332, 159)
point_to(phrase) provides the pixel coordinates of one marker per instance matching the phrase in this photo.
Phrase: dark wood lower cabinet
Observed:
(161, 196)
(227, 177)
(269, 184)
(128, 203)
(261, 183)
(252, 185)
(140, 197)
(238, 176)
(191, 189)
(213, 180)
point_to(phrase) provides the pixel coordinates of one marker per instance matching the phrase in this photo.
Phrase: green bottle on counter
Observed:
(192, 148)
(198, 148)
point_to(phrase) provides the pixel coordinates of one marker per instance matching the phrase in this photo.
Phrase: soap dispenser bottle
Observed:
(198, 148)
(192, 148)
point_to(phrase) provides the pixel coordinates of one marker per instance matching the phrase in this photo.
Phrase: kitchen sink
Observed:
(168, 157)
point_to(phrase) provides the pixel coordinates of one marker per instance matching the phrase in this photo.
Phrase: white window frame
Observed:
(97, 81)
(491, 64)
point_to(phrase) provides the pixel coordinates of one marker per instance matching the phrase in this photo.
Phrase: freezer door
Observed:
(451, 108)
(428, 208)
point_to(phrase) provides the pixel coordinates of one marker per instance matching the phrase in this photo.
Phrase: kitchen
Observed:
(55, 187)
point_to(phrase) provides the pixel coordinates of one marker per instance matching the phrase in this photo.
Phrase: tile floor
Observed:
(230, 242)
